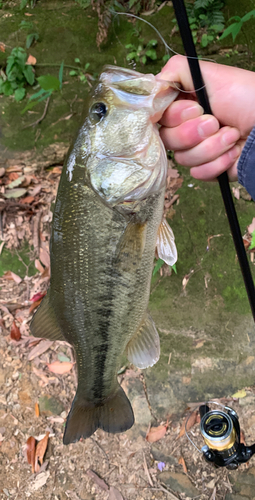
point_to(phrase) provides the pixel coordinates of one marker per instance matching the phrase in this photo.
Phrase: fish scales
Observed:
(104, 233)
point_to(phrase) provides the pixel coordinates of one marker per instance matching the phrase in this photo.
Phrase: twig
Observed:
(146, 470)
(101, 448)
(161, 488)
(43, 115)
(147, 397)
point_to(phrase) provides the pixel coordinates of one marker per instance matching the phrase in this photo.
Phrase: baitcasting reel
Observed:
(221, 433)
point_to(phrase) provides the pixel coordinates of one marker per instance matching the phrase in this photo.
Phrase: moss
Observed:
(11, 261)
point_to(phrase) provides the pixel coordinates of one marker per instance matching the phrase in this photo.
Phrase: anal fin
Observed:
(113, 414)
(143, 349)
(165, 244)
(44, 323)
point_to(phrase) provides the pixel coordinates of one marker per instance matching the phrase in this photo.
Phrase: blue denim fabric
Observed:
(246, 165)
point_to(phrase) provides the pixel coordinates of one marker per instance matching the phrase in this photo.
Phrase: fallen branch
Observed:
(42, 117)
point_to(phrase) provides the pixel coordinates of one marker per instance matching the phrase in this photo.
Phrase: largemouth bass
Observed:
(106, 225)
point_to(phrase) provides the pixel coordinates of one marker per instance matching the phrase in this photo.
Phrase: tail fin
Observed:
(113, 415)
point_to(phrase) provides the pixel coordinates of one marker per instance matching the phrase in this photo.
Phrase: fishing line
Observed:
(167, 47)
(189, 47)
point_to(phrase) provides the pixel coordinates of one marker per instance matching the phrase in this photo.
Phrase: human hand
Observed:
(196, 139)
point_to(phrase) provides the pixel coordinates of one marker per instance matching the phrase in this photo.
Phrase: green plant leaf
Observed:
(233, 30)
(131, 3)
(143, 59)
(174, 268)
(73, 72)
(29, 74)
(235, 18)
(157, 267)
(7, 88)
(204, 40)
(77, 60)
(19, 94)
(49, 82)
(248, 16)
(37, 94)
(152, 43)
(152, 54)
(15, 193)
(60, 75)
(23, 4)
(252, 245)
(166, 58)
(16, 182)
(33, 37)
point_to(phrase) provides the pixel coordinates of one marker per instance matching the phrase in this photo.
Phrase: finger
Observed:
(211, 170)
(177, 69)
(209, 149)
(190, 133)
(179, 112)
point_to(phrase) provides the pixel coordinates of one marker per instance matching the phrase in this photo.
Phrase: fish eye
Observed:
(98, 111)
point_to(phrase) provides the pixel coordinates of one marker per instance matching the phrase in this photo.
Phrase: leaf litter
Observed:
(32, 368)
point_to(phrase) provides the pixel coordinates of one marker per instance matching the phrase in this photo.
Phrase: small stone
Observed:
(179, 483)
(160, 456)
(50, 406)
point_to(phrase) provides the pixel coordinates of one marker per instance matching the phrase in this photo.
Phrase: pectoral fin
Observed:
(131, 247)
(143, 349)
(44, 323)
(165, 244)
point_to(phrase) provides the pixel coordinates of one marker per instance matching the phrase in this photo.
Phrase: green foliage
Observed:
(48, 84)
(236, 27)
(142, 52)
(252, 245)
(158, 266)
(17, 74)
(31, 37)
(81, 73)
(206, 20)
(25, 3)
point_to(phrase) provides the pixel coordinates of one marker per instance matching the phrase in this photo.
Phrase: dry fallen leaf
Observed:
(31, 444)
(181, 461)
(98, 480)
(9, 275)
(15, 332)
(156, 433)
(37, 410)
(2, 47)
(37, 302)
(39, 349)
(44, 257)
(31, 60)
(40, 451)
(60, 367)
(114, 494)
(191, 421)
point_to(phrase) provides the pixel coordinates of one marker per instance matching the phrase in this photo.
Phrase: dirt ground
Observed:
(36, 393)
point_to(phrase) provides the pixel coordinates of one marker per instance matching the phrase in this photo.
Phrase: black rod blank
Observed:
(189, 47)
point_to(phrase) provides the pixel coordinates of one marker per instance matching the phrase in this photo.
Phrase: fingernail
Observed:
(207, 127)
(234, 152)
(230, 137)
(192, 112)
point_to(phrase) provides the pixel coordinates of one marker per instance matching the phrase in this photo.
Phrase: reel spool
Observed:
(220, 430)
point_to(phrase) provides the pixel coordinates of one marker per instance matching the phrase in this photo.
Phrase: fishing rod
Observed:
(189, 47)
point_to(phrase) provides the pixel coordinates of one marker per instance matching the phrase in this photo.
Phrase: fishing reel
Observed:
(220, 430)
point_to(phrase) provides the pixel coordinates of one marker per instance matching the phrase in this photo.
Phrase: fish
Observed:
(107, 222)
